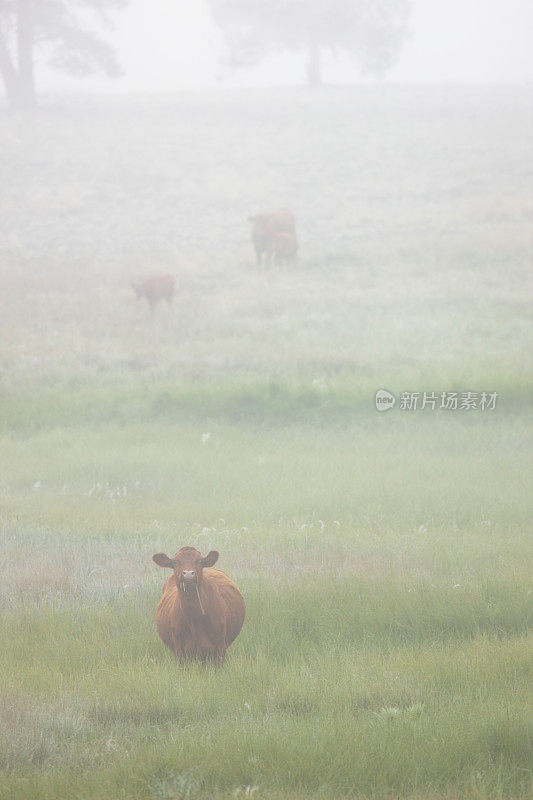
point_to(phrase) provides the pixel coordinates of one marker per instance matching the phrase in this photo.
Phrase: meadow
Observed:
(385, 558)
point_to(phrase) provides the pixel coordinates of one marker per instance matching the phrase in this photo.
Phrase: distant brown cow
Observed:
(274, 234)
(160, 287)
(281, 246)
(201, 611)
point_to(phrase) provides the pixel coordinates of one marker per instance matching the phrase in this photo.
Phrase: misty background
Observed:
(177, 45)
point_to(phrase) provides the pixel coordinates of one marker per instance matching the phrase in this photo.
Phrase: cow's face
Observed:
(188, 565)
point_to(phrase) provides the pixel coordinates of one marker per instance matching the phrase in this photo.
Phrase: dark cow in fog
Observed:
(281, 246)
(274, 236)
(201, 611)
(160, 287)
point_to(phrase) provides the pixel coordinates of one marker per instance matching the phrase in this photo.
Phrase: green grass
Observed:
(387, 647)
(319, 714)
(385, 559)
(338, 400)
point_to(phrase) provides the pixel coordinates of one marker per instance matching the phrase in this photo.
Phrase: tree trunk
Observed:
(16, 69)
(7, 71)
(314, 65)
(26, 90)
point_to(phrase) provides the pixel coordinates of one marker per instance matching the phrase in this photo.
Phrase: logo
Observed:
(384, 400)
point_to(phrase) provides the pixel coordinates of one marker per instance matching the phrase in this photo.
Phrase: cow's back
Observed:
(160, 287)
(281, 221)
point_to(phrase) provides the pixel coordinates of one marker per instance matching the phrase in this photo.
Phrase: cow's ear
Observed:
(162, 560)
(210, 559)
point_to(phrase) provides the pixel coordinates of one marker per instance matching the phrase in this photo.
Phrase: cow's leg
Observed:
(218, 654)
(178, 651)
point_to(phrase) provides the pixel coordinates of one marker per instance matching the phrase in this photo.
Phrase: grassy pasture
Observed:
(385, 558)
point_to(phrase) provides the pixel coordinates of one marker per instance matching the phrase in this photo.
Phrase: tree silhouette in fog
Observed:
(370, 30)
(57, 31)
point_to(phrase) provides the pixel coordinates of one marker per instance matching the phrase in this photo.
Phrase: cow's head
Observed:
(188, 565)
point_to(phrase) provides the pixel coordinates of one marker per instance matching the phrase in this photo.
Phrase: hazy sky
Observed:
(173, 44)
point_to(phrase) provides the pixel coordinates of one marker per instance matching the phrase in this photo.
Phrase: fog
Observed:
(288, 328)
(175, 46)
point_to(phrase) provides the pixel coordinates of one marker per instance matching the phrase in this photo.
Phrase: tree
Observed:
(370, 30)
(59, 31)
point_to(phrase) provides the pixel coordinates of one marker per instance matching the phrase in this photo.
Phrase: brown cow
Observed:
(160, 287)
(281, 246)
(201, 611)
(269, 228)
